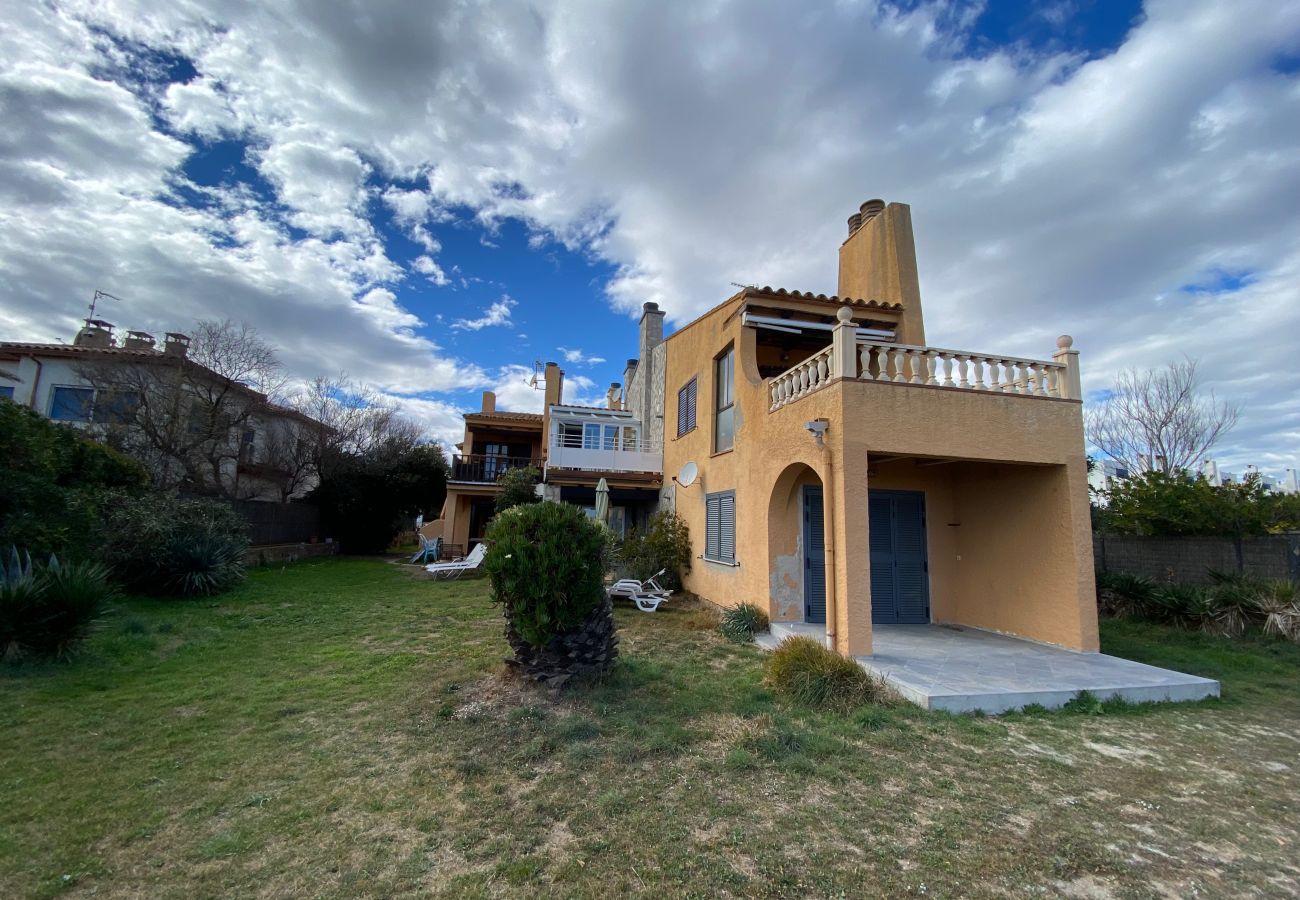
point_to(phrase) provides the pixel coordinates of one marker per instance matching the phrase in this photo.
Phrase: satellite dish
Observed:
(688, 474)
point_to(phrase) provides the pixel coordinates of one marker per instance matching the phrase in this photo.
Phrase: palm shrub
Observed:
(45, 610)
(740, 623)
(547, 563)
(1121, 594)
(1181, 605)
(805, 671)
(1278, 603)
(665, 544)
(1233, 602)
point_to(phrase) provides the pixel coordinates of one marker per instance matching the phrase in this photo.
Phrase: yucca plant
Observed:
(1123, 595)
(202, 564)
(45, 610)
(1279, 603)
(740, 623)
(1182, 605)
(1234, 604)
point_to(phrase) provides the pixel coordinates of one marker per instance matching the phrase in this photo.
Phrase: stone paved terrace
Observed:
(965, 669)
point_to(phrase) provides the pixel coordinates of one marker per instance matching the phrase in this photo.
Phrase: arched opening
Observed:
(796, 547)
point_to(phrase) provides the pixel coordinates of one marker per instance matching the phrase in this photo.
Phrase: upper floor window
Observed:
(724, 431)
(247, 446)
(115, 407)
(686, 408)
(71, 404)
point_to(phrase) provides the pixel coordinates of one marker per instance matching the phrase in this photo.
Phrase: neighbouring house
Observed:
(572, 447)
(206, 432)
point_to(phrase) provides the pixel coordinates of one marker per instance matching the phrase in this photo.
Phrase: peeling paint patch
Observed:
(785, 585)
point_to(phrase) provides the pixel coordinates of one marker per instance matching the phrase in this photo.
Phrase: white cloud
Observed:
(1050, 193)
(580, 358)
(496, 314)
(430, 269)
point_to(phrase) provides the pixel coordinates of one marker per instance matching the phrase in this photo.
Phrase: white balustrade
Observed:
(933, 367)
(939, 367)
(810, 375)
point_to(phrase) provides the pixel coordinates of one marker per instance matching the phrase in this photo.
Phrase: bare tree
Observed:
(184, 416)
(1158, 420)
(338, 418)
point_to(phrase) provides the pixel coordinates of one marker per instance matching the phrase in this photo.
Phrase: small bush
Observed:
(547, 563)
(1278, 602)
(804, 671)
(665, 544)
(46, 610)
(159, 543)
(740, 624)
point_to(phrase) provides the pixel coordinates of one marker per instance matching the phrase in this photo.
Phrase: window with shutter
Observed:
(720, 527)
(686, 408)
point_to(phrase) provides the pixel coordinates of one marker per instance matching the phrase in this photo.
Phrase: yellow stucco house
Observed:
(921, 509)
(849, 475)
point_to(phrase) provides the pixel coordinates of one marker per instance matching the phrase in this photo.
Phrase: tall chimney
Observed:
(138, 340)
(612, 398)
(652, 329)
(554, 385)
(177, 344)
(95, 333)
(489, 402)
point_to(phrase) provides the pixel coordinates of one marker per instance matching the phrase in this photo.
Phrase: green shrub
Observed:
(52, 490)
(159, 543)
(547, 564)
(802, 670)
(739, 624)
(45, 610)
(518, 488)
(665, 544)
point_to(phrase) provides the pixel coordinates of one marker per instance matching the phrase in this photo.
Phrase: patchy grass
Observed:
(341, 728)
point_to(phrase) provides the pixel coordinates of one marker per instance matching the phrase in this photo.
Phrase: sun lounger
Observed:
(459, 567)
(647, 595)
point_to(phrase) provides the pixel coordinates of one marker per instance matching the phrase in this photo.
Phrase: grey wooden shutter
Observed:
(727, 527)
(712, 526)
(681, 411)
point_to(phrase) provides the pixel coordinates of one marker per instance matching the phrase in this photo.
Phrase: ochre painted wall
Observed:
(1019, 561)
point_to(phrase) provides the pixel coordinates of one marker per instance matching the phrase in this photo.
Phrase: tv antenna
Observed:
(752, 287)
(101, 295)
(539, 377)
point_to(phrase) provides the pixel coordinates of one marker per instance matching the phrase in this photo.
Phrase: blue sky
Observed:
(431, 198)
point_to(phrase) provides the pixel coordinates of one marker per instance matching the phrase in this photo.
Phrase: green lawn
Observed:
(342, 729)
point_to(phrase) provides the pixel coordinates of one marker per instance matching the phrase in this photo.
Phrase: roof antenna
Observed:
(539, 370)
(100, 295)
(752, 287)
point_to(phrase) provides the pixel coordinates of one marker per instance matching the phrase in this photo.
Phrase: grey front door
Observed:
(814, 556)
(900, 580)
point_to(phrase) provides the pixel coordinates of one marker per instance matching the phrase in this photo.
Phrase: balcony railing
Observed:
(881, 361)
(483, 468)
(572, 452)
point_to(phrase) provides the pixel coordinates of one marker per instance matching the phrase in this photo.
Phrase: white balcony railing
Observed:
(810, 375)
(623, 456)
(903, 364)
(849, 357)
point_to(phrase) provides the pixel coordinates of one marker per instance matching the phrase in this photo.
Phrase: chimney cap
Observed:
(632, 363)
(615, 384)
(550, 363)
(650, 306)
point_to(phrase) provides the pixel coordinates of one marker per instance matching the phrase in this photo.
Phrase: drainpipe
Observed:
(828, 527)
(36, 384)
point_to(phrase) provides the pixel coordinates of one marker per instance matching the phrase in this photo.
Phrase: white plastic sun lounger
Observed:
(647, 595)
(459, 567)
